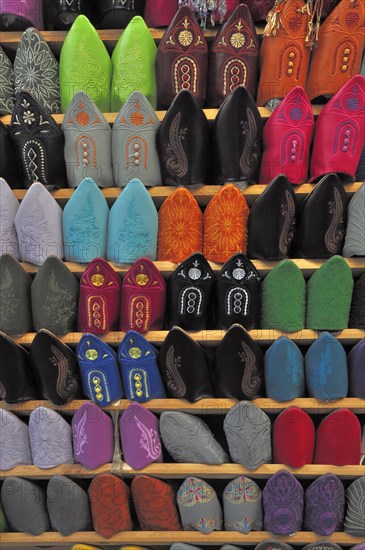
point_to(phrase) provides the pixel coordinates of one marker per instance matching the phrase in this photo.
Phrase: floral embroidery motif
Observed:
(6, 84)
(194, 491)
(9, 302)
(180, 227)
(59, 303)
(291, 368)
(336, 230)
(34, 231)
(80, 436)
(323, 368)
(175, 158)
(242, 490)
(173, 379)
(36, 70)
(149, 441)
(89, 72)
(134, 237)
(207, 524)
(83, 228)
(225, 221)
(131, 74)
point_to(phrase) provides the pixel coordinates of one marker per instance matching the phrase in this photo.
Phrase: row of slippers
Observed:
(233, 58)
(267, 544)
(252, 439)
(181, 369)
(282, 507)
(326, 223)
(193, 298)
(184, 149)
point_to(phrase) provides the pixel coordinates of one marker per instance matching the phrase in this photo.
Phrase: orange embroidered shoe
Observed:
(180, 227)
(225, 224)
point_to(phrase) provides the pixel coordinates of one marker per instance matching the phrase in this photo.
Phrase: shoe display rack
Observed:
(203, 407)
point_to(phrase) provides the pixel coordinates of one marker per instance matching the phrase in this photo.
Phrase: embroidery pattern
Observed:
(283, 503)
(89, 75)
(180, 227)
(36, 70)
(251, 151)
(250, 380)
(324, 505)
(96, 311)
(80, 435)
(191, 300)
(185, 74)
(139, 312)
(173, 379)
(237, 301)
(6, 84)
(136, 386)
(336, 230)
(9, 302)
(175, 158)
(323, 367)
(242, 490)
(207, 524)
(287, 231)
(292, 369)
(135, 236)
(245, 525)
(194, 491)
(94, 388)
(84, 228)
(64, 387)
(149, 440)
(34, 233)
(235, 74)
(58, 303)
(131, 73)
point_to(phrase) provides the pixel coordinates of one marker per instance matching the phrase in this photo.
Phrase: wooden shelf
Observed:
(166, 538)
(203, 194)
(202, 407)
(181, 471)
(307, 267)
(212, 337)
(210, 114)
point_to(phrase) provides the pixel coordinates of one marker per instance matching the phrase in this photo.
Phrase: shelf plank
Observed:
(308, 267)
(265, 113)
(203, 194)
(181, 471)
(202, 407)
(166, 538)
(212, 337)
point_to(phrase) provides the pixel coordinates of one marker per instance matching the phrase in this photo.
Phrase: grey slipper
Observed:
(199, 506)
(188, 439)
(15, 309)
(242, 504)
(68, 506)
(14, 441)
(248, 433)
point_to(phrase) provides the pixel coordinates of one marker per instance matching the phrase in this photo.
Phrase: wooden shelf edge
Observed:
(212, 337)
(181, 471)
(202, 194)
(202, 407)
(357, 265)
(166, 538)
(210, 114)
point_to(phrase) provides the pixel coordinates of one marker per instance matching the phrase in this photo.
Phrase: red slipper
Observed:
(338, 440)
(293, 438)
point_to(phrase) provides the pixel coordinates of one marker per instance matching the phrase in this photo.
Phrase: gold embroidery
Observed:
(135, 353)
(97, 279)
(140, 312)
(96, 312)
(91, 354)
(142, 279)
(185, 38)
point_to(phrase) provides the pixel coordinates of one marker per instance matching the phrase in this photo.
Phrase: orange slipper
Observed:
(225, 224)
(109, 500)
(180, 227)
(155, 504)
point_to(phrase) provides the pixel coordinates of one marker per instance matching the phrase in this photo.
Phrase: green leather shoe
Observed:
(329, 293)
(133, 62)
(283, 298)
(85, 65)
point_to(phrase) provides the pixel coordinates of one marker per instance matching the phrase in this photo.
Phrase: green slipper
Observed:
(133, 62)
(283, 298)
(329, 293)
(85, 65)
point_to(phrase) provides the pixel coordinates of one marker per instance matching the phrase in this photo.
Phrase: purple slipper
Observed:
(93, 436)
(324, 505)
(140, 438)
(283, 504)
